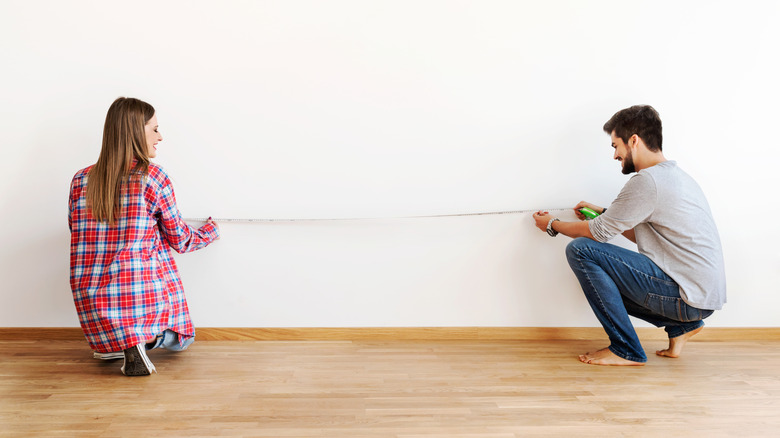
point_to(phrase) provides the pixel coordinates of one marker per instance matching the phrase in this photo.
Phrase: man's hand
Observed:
(571, 229)
(542, 218)
(582, 204)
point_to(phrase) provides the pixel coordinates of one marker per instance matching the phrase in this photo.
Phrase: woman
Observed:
(123, 220)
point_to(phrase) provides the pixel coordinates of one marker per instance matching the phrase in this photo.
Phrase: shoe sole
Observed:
(108, 356)
(138, 361)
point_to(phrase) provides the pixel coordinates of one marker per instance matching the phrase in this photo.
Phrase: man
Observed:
(677, 279)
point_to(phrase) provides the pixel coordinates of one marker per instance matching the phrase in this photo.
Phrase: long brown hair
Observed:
(124, 139)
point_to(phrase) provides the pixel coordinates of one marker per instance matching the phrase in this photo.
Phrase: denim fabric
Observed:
(619, 282)
(169, 340)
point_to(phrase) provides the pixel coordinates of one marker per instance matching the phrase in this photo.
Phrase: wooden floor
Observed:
(398, 389)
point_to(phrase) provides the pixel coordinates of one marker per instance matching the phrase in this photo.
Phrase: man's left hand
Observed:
(542, 218)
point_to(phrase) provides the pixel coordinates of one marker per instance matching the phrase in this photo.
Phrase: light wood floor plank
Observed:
(390, 389)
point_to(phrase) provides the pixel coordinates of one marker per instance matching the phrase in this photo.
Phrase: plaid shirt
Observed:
(125, 284)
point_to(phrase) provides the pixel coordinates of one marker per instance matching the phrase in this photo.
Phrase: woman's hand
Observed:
(211, 221)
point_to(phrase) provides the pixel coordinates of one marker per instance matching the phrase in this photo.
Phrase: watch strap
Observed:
(550, 230)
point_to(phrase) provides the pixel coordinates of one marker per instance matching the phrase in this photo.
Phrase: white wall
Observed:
(281, 109)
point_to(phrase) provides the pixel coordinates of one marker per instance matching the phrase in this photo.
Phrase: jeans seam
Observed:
(680, 312)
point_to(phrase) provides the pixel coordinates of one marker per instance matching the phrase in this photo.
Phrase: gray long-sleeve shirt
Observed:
(674, 227)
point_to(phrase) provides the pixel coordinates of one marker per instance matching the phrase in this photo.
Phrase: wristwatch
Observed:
(550, 230)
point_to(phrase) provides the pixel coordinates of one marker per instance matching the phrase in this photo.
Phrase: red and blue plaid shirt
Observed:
(125, 284)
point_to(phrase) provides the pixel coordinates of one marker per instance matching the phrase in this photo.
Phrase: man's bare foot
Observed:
(676, 344)
(606, 357)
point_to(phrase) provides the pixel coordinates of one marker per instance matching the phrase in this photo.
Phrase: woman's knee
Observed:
(172, 341)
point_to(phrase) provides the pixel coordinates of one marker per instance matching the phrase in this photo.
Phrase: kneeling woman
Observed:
(123, 221)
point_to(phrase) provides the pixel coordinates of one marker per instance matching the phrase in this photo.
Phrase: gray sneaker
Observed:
(137, 363)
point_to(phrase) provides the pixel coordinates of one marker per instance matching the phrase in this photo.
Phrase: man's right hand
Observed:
(582, 204)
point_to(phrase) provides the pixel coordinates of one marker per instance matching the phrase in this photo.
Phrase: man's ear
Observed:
(633, 141)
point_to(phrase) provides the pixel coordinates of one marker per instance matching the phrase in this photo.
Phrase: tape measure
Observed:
(590, 214)
(250, 220)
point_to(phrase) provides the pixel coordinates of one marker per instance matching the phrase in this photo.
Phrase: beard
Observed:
(628, 164)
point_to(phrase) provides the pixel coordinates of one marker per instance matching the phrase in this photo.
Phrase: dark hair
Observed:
(642, 120)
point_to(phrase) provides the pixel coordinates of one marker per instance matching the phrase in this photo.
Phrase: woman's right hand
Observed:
(211, 221)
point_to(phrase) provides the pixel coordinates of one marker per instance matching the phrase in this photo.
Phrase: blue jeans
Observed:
(169, 340)
(619, 282)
